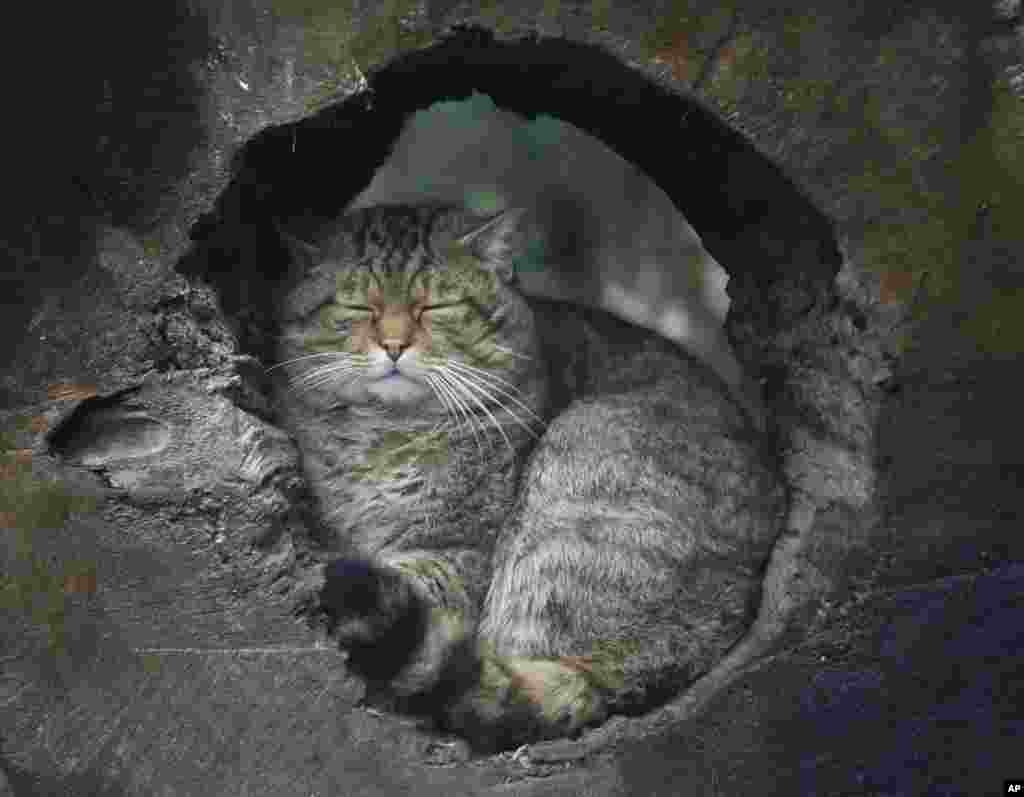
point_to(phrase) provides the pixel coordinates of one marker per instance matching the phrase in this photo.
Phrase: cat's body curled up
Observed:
(545, 515)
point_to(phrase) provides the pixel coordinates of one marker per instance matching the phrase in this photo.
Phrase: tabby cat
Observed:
(599, 232)
(543, 514)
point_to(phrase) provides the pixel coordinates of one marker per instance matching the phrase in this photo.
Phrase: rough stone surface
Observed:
(864, 215)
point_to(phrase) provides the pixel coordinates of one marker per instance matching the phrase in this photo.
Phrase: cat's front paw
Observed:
(354, 588)
(371, 612)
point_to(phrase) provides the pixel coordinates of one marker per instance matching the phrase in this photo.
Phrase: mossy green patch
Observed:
(679, 28)
(551, 10)
(741, 63)
(38, 588)
(389, 32)
(805, 95)
(935, 247)
(795, 30)
(919, 143)
(675, 24)
(494, 14)
(398, 450)
(34, 503)
(601, 14)
(333, 35)
(344, 36)
(997, 325)
(38, 592)
(990, 169)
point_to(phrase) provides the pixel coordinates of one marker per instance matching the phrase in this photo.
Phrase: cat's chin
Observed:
(397, 389)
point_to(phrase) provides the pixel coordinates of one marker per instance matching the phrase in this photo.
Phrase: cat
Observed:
(603, 234)
(544, 515)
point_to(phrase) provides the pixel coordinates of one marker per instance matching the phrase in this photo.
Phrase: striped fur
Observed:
(544, 515)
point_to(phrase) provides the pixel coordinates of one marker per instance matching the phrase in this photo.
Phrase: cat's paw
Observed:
(353, 587)
(338, 593)
(372, 612)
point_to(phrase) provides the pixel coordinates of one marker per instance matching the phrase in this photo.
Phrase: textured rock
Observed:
(893, 123)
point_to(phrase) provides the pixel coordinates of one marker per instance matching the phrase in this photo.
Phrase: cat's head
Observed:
(404, 305)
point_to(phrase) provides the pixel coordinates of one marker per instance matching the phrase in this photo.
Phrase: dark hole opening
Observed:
(778, 248)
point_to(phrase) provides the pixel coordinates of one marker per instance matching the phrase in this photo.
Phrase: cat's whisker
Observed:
(445, 400)
(322, 375)
(470, 417)
(332, 356)
(468, 389)
(317, 376)
(472, 382)
(483, 372)
(442, 426)
(473, 417)
(294, 360)
(486, 375)
(508, 351)
(442, 389)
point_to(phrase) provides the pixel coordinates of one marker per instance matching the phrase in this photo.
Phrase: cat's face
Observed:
(411, 305)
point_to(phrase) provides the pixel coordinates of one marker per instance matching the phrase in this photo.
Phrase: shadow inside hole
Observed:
(779, 250)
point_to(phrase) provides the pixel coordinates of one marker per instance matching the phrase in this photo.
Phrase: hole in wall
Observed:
(779, 250)
(108, 428)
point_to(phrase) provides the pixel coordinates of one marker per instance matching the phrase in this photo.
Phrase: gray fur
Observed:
(600, 569)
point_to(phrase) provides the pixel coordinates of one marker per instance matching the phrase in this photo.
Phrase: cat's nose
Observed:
(395, 350)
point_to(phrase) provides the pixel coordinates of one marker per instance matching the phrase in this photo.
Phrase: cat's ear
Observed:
(304, 255)
(495, 240)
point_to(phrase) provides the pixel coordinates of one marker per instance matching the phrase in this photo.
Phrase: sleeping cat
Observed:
(600, 232)
(545, 515)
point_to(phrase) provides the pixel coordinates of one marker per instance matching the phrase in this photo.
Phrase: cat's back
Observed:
(646, 513)
(644, 422)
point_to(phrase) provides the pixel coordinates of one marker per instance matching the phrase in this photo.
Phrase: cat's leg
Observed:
(409, 628)
(495, 701)
(397, 616)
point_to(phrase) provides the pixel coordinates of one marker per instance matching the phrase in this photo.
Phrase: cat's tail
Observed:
(426, 660)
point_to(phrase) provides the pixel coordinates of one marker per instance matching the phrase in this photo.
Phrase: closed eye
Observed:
(440, 306)
(362, 307)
